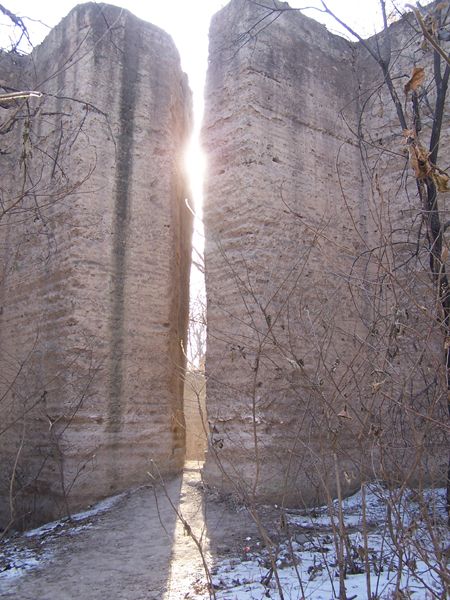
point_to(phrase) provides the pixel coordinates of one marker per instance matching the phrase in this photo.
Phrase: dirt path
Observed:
(137, 550)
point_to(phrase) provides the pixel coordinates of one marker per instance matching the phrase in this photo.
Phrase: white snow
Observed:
(403, 545)
(19, 554)
(96, 509)
(400, 530)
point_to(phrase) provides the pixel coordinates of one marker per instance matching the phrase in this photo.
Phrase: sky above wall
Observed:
(187, 21)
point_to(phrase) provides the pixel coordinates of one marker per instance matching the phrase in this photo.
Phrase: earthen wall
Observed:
(95, 248)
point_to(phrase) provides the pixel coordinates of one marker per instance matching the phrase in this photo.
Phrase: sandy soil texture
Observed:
(136, 550)
(154, 544)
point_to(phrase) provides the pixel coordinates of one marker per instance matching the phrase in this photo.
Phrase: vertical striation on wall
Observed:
(299, 333)
(128, 98)
(95, 247)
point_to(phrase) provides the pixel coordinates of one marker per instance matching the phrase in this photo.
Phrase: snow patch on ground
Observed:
(399, 546)
(30, 550)
(401, 543)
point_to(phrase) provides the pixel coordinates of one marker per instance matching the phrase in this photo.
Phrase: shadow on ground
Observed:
(139, 549)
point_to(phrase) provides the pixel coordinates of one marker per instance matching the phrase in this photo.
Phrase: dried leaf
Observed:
(417, 77)
(376, 385)
(444, 254)
(442, 182)
(418, 157)
(361, 553)
(344, 414)
(349, 477)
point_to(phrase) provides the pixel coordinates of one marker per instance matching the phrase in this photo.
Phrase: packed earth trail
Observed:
(180, 540)
(136, 550)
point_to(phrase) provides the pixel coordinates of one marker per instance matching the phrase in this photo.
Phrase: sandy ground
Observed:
(139, 545)
(137, 550)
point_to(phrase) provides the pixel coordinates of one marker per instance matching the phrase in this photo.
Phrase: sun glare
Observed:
(195, 163)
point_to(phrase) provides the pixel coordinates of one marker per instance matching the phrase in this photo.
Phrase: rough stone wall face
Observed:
(95, 265)
(407, 352)
(293, 386)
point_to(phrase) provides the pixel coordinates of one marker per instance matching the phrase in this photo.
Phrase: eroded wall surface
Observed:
(301, 340)
(195, 415)
(95, 254)
(406, 344)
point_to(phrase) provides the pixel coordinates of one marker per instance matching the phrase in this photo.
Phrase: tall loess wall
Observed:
(95, 254)
(308, 375)
(407, 345)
